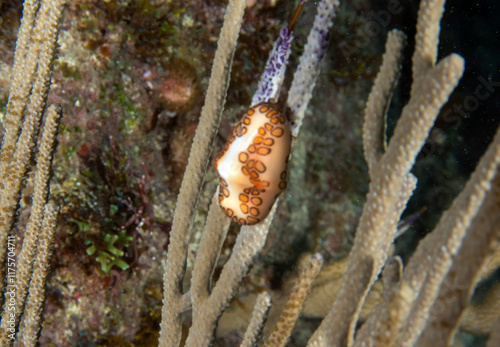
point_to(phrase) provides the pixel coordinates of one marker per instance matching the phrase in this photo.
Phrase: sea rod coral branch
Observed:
(479, 242)
(193, 176)
(308, 270)
(31, 322)
(390, 187)
(24, 268)
(259, 315)
(30, 82)
(28, 92)
(307, 72)
(374, 125)
(208, 307)
(272, 79)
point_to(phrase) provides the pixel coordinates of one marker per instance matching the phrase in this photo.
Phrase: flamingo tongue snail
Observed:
(252, 167)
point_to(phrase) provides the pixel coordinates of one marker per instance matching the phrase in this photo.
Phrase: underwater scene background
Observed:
(131, 78)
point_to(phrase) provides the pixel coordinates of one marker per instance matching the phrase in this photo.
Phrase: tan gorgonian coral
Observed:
(29, 87)
(403, 313)
(206, 300)
(256, 324)
(326, 286)
(405, 309)
(174, 301)
(308, 270)
(408, 296)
